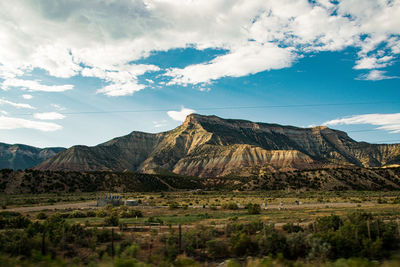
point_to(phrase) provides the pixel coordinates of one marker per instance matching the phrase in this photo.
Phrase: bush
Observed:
(130, 214)
(230, 206)
(173, 205)
(131, 251)
(41, 216)
(241, 244)
(101, 213)
(273, 243)
(253, 208)
(217, 249)
(77, 214)
(291, 228)
(328, 223)
(112, 220)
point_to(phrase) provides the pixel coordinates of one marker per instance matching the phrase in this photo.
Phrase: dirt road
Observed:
(92, 204)
(59, 206)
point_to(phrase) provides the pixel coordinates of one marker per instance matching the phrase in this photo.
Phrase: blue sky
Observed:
(83, 73)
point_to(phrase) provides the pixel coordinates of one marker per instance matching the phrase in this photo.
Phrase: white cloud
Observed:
(58, 107)
(102, 38)
(49, 116)
(10, 123)
(16, 105)
(376, 75)
(159, 124)
(27, 97)
(373, 62)
(32, 85)
(123, 80)
(243, 61)
(180, 115)
(389, 122)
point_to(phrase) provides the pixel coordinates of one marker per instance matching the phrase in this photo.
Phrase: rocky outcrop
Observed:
(209, 146)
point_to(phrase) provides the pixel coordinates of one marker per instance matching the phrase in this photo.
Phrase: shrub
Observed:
(291, 228)
(241, 244)
(130, 214)
(217, 249)
(41, 216)
(101, 213)
(112, 220)
(253, 208)
(328, 223)
(230, 206)
(173, 205)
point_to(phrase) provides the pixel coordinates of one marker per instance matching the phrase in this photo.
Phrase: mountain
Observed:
(209, 146)
(19, 156)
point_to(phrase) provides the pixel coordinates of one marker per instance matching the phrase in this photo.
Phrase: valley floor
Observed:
(207, 216)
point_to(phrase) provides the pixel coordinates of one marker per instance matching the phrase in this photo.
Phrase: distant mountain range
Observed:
(209, 146)
(22, 156)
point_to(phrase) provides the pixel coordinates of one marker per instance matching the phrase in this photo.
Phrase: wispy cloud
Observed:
(27, 97)
(376, 75)
(49, 116)
(159, 124)
(180, 115)
(388, 122)
(32, 85)
(10, 123)
(16, 105)
(58, 107)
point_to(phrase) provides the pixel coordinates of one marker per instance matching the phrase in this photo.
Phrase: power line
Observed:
(222, 108)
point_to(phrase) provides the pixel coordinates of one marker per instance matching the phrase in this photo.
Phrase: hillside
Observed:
(22, 156)
(33, 181)
(209, 146)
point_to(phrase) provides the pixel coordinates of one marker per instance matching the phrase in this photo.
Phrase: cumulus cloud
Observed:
(388, 122)
(32, 85)
(376, 75)
(103, 39)
(10, 123)
(27, 97)
(180, 115)
(16, 105)
(49, 116)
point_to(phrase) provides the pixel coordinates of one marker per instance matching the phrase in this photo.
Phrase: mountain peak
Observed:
(211, 146)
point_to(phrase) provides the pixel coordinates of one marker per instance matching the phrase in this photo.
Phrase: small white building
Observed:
(131, 202)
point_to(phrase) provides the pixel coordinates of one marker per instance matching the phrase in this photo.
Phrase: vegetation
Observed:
(330, 228)
(34, 182)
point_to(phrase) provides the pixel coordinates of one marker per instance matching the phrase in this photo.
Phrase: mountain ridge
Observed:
(20, 156)
(209, 146)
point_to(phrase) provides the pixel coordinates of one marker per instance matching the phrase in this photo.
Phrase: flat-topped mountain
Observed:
(19, 156)
(209, 146)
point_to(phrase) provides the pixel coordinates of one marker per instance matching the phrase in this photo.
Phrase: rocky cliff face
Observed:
(22, 156)
(211, 146)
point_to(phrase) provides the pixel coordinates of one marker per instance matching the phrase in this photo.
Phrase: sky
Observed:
(83, 72)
